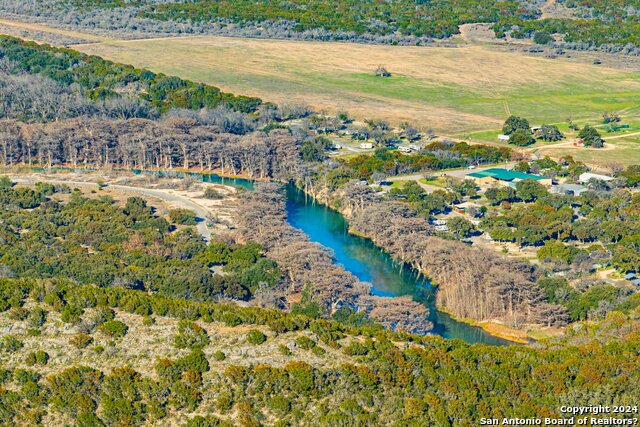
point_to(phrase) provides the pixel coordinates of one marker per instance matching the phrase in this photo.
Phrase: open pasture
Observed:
(450, 90)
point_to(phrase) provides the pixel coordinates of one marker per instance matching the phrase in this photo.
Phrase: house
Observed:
(585, 177)
(466, 206)
(415, 147)
(505, 177)
(636, 282)
(630, 276)
(536, 129)
(366, 145)
(571, 189)
(504, 138)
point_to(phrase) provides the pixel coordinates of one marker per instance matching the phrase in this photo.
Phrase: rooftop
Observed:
(588, 175)
(574, 188)
(505, 175)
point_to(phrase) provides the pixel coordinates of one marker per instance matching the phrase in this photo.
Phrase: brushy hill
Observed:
(583, 24)
(84, 355)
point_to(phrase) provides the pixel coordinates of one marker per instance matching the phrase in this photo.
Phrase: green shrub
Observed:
(280, 405)
(182, 217)
(71, 313)
(10, 344)
(195, 361)
(18, 313)
(224, 402)
(305, 342)
(23, 376)
(114, 329)
(284, 350)
(212, 194)
(5, 375)
(256, 337)
(219, 356)
(208, 421)
(37, 317)
(39, 357)
(80, 340)
(191, 335)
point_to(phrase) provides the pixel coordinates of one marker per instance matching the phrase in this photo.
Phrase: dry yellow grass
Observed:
(451, 90)
(46, 29)
(448, 89)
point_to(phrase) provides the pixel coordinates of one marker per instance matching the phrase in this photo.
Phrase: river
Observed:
(361, 257)
(366, 261)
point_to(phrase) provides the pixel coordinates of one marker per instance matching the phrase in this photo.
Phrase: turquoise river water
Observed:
(366, 261)
(362, 258)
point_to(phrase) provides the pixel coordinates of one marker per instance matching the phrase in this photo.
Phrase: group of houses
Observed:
(498, 176)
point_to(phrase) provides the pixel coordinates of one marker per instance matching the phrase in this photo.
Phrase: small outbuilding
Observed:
(571, 189)
(585, 177)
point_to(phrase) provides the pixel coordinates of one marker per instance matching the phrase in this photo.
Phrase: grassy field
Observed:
(450, 90)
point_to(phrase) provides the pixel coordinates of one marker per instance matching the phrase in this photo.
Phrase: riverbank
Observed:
(398, 280)
(470, 282)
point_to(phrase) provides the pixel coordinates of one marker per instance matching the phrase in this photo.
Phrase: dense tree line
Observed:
(37, 98)
(434, 156)
(610, 26)
(401, 21)
(200, 141)
(101, 79)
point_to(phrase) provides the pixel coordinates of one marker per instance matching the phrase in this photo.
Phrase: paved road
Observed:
(164, 195)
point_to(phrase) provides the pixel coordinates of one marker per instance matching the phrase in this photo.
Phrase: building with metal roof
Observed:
(585, 177)
(505, 177)
(572, 189)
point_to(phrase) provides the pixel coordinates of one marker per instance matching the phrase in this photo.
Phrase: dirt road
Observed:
(165, 195)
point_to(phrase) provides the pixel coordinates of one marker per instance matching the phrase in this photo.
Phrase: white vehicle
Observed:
(404, 149)
(336, 146)
(366, 146)
(414, 147)
(472, 167)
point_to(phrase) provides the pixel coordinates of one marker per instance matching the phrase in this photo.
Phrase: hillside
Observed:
(90, 356)
(582, 25)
